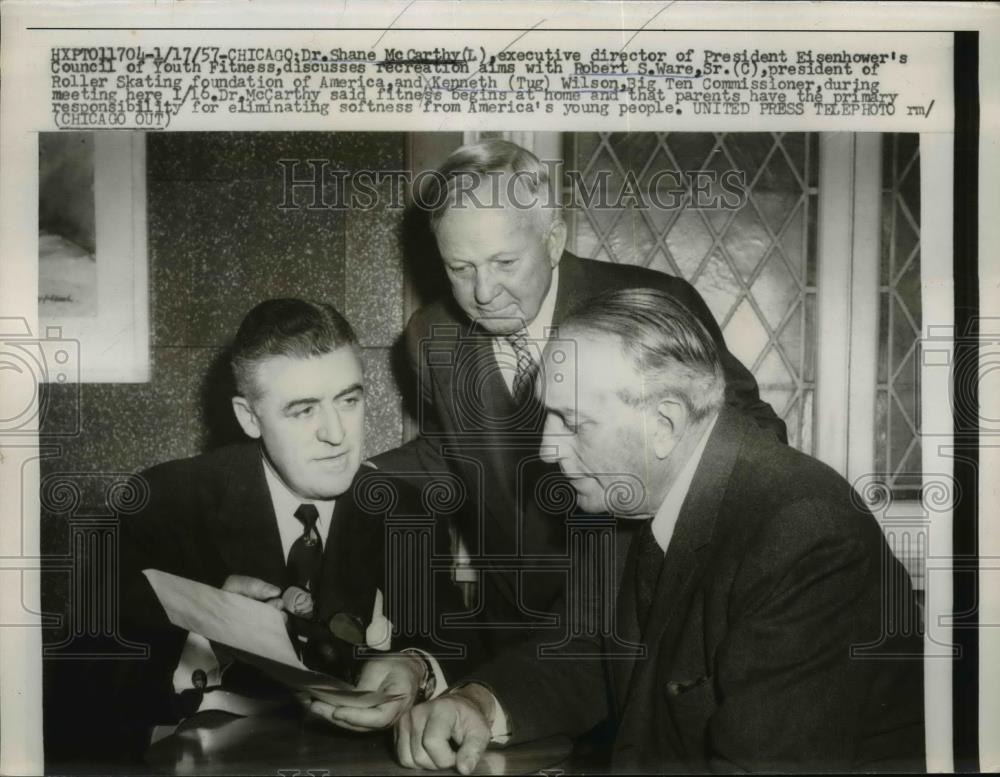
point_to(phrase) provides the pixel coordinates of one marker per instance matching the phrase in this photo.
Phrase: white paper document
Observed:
(255, 632)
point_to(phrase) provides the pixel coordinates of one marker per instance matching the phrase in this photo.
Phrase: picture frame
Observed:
(104, 310)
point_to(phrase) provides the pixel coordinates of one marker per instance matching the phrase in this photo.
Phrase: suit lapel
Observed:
(626, 622)
(483, 407)
(248, 536)
(480, 363)
(353, 558)
(475, 385)
(683, 566)
(502, 453)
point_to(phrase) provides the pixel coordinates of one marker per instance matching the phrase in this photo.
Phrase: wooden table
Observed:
(220, 743)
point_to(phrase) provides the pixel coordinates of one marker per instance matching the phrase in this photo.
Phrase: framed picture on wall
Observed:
(92, 259)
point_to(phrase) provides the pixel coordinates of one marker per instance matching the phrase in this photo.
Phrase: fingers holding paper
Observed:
(398, 676)
(254, 588)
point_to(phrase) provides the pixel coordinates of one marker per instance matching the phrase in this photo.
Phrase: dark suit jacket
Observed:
(783, 635)
(211, 516)
(470, 425)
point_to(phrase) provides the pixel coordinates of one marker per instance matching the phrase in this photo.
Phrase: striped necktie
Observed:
(527, 367)
(306, 554)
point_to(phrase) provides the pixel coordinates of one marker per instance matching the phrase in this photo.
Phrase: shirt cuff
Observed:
(439, 682)
(499, 728)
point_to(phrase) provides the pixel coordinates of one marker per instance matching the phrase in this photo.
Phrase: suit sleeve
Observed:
(456, 648)
(409, 552)
(422, 455)
(791, 696)
(166, 533)
(161, 536)
(742, 392)
(553, 683)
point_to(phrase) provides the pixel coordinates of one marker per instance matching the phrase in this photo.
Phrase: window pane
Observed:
(897, 409)
(755, 265)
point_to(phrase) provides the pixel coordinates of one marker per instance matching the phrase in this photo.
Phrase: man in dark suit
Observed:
(769, 606)
(501, 237)
(294, 507)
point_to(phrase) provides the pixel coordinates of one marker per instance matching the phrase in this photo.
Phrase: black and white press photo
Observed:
(591, 392)
(493, 352)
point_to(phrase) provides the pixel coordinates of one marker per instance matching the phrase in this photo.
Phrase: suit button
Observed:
(674, 688)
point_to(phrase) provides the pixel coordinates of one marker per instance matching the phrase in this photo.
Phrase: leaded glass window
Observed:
(754, 264)
(897, 397)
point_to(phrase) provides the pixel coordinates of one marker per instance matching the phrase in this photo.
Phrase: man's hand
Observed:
(425, 733)
(396, 674)
(254, 588)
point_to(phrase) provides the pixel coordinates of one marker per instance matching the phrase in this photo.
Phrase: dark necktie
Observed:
(649, 563)
(527, 367)
(306, 555)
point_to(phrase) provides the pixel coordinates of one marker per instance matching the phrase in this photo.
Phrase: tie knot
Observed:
(307, 515)
(518, 340)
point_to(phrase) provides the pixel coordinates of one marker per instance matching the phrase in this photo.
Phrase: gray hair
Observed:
(667, 344)
(469, 166)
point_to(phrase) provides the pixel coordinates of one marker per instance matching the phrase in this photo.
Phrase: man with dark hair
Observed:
(501, 235)
(282, 511)
(761, 597)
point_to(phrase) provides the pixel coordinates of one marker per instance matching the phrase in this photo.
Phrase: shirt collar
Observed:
(538, 328)
(286, 501)
(670, 510)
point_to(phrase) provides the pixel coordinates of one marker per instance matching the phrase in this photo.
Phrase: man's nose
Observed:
(486, 286)
(330, 428)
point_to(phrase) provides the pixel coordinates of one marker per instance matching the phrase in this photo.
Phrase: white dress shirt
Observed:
(663, 530)
(286, 502)
(538, 332)
(666, 517)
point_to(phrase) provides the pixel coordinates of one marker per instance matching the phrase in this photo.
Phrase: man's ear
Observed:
(670, 425)
(555, 242)
(247, 417)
